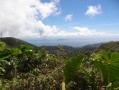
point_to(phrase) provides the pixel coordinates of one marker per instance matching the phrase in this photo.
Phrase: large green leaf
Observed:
(108, 65)
(71, 67)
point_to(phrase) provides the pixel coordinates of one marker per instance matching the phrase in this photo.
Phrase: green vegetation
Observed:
(110, 46)
(13, 42)
(24, 68)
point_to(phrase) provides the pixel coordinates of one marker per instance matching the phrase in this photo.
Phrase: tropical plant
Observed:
(78, 74)
(30, 69)
(107, 63)
(71, 67)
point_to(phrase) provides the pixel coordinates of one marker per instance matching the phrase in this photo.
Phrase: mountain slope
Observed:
(14, 42)
(109, 46)
(91, 47)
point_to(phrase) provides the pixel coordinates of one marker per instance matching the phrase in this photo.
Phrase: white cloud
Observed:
(54, 31)
(68, 17)
(46, 30)
(93, 10)
(56, 1)
(47, 9)
(19, 18)
(88, 32)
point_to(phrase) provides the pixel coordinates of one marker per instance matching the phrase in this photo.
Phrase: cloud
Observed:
(47, 9)
(54, 31)
(93, 10)
(47, 30)
(68, 17)
(87, 31)
(19, 18)
(24, 18)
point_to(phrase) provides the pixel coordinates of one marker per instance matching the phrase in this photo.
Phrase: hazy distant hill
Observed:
(91, 46)
(57, 47)
(14, 42)
(86, 47)
(71, 51)
(110, 46)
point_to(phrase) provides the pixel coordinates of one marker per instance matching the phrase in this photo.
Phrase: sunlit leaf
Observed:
(108, 65)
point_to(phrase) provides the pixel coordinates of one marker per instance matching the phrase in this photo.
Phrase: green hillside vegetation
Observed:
(24, 68)
(14, 42)
(91, 47)
(71, 51)
(68, 50)
(110, 46)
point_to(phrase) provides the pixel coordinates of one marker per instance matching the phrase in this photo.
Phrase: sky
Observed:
(59, 18)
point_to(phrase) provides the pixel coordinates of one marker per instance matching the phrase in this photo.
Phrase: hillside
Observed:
(30, 69)
(69, 50)
(55, 48)
(109, 46)
(91, 47)
(14, 42)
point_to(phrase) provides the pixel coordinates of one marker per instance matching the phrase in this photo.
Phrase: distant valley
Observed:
(109, 46)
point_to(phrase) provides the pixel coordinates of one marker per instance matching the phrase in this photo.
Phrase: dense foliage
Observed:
(110, 47)
(25, 68)
(14, 42)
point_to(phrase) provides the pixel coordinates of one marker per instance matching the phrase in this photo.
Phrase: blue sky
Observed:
(59, 18)
(107, 21)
